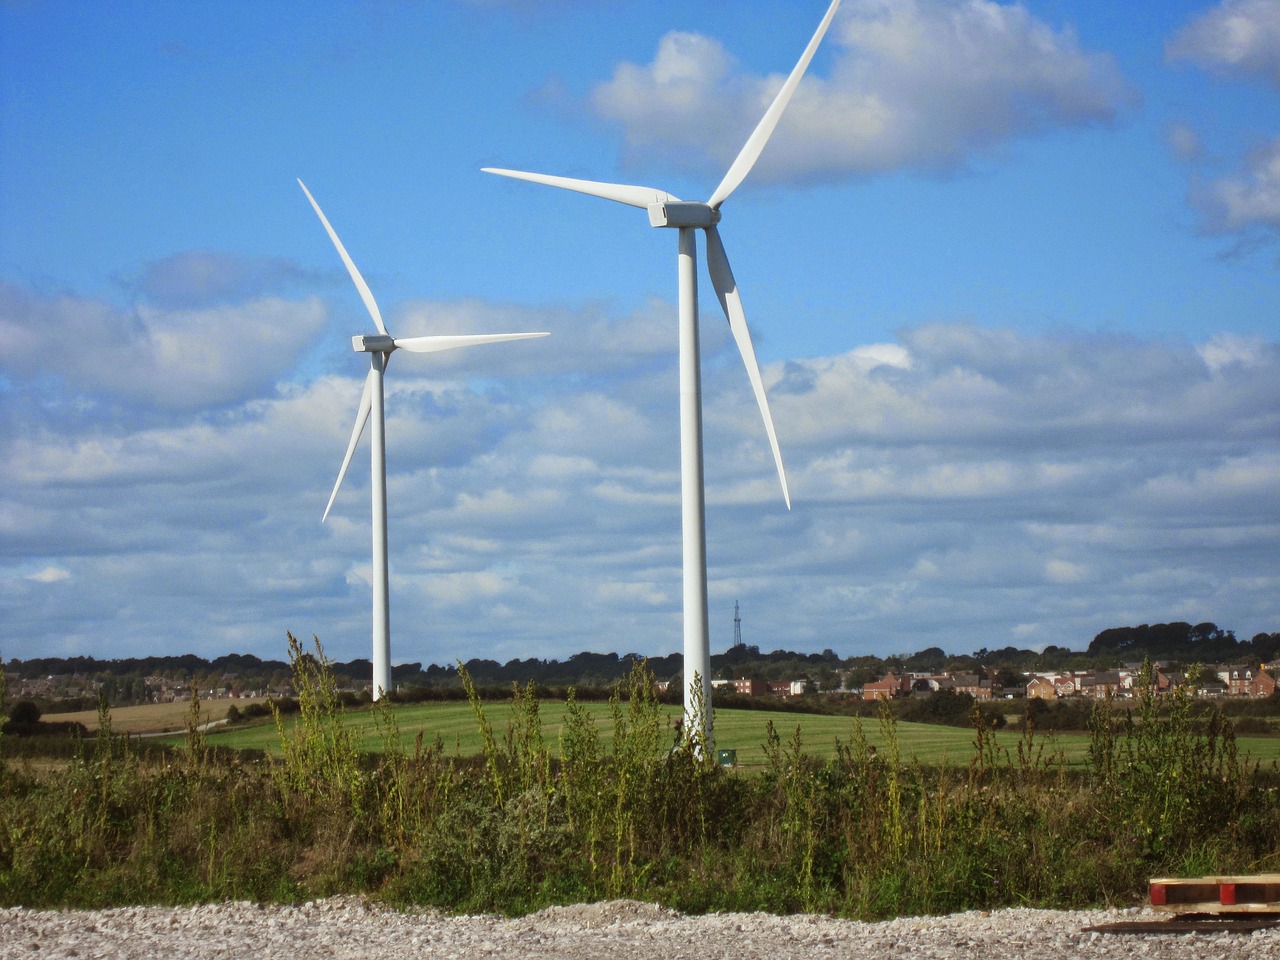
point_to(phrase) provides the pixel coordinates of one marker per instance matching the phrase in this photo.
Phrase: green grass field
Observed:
(739, 730)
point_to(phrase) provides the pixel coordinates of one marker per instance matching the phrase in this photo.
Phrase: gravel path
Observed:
(621, 930)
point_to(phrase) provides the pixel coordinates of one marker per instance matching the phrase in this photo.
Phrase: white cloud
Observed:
(1234, 38)
(1247, 199)
(201, 278)
(916, 84)
(166, 359)
(1064, 571)
(628, 594)
(1184, 142)
(1239, 39)
(949, 488)
(50, 575)
(1224, 350)
(465, 589)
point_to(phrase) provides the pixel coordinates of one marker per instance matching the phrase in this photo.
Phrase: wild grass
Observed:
(569, 802)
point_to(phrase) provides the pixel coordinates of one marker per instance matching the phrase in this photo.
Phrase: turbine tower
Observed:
(688, 217)
(380, 347)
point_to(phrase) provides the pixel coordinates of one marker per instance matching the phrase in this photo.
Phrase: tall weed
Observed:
(319, 753)
(635, 815)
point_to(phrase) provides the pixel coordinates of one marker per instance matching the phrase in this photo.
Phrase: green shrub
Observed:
(633, 815)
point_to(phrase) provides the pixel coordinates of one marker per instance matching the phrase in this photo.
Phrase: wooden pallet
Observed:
(1259, 893)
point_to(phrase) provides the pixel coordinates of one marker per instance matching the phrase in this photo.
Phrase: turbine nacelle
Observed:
(683, 213)
(373, 343)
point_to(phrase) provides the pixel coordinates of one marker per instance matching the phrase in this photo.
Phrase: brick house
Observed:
(1052, 686)
(973, 685)
(1247, 681)
(1041, 688)
(889, 686)
(1264, 684)
(1101, 684)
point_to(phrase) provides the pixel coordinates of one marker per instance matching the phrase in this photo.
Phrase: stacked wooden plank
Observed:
(1259, 893)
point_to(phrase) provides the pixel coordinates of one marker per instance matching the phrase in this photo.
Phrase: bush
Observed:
(514, 829)
(1254, 725)
(944, 706)
(24, 712)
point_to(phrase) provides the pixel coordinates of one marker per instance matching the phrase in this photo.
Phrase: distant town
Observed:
(1217, 664)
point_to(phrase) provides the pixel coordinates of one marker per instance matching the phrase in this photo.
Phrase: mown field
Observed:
(743, 731)
(153, 718)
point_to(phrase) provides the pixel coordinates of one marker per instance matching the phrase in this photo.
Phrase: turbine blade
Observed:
(621, 192)
(453, 342)
(365, 293)
(362, 417)
(751, 151)
(731, 302)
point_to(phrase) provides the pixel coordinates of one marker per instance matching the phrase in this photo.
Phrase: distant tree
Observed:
(1264, 646)
(824, 678)
(1035, 711)
(25, 713)
(860, 676)
(945, 706)
(1008, 679)
(931, 658)
(1205, 674)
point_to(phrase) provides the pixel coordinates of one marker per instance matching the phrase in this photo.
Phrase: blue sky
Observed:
(1011, 270)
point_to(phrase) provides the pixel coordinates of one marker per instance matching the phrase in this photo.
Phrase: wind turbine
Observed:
(666, 210)
(380, 347)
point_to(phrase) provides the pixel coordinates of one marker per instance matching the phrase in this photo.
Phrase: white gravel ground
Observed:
(349, 927)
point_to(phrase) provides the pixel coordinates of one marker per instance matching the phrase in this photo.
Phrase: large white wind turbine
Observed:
(380, 347)
(688, 217)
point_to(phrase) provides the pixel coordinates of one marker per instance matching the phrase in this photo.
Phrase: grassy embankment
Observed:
(603, 807)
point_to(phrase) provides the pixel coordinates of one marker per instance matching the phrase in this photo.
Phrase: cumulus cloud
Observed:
(50, 574)
(916, 84)
(177, 359)
(961, 486)
(1224, 350)
(1239, 38)
(1184, 142)
(1246, 200)
(198, 278)
(1236, 39)
(1003, 469)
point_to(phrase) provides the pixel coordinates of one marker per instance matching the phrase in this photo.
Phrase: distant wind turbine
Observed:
(689, 216)
(380, 347)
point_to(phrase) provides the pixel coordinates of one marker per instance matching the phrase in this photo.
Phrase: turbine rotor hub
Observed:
(373, 343)
(683, 213)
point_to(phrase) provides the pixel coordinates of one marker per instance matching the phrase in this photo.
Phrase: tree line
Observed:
(121, 680)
